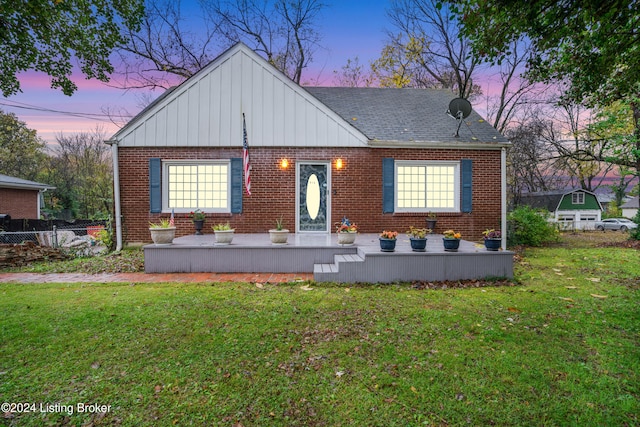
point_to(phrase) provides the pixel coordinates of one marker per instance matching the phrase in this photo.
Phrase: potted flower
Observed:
(223, 232)
(162, 232)
(347, 232)
(388, 241)
(492, 239)
(197, 217)
(418, 238)
(279, 235)
(431, 221)
(451, 240)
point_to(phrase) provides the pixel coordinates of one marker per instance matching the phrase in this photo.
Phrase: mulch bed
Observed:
(26, 253)
(456, 284)
(631, 244)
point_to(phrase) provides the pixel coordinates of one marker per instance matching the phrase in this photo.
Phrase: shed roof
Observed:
(631, 204)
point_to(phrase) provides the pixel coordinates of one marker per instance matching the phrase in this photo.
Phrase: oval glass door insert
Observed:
(313, 196)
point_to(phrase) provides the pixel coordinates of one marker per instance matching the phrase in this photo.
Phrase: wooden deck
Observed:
(329, 262)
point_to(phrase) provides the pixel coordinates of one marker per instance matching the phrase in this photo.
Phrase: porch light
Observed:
(284, 163)
(339, 164)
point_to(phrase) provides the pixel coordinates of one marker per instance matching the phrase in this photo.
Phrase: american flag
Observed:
(245, 157)
(172, 222)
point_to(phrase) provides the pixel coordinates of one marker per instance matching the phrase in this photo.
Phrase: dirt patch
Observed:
(452, 284)
(597, 239)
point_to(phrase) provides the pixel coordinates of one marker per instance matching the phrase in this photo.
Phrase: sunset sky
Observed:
(348, 29)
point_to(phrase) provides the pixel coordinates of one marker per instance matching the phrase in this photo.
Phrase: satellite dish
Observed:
(459, 109)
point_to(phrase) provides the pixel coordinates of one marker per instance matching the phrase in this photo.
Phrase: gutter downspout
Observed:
(503, 191)
(116, 193)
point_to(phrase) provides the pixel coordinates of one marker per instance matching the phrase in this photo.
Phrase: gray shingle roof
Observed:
(12, 182)
(407, 115)
(633, 203)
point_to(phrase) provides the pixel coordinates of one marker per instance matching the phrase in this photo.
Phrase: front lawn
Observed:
(559, 347)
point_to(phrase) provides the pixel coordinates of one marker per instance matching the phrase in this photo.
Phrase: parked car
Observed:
(621, 224)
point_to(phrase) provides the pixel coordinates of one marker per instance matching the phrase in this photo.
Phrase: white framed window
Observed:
(577, 198)
(190, 185)
(423, 186)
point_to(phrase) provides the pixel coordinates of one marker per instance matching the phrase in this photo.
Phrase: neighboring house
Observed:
(630, 208)
(384, 158)
(574, 210)
(21, 198)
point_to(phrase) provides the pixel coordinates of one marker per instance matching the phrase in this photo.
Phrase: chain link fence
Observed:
(84, 238)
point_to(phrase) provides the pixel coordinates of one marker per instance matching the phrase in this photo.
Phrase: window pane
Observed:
(440, 187)
(426, 186)
(197, 186)
(411, 181)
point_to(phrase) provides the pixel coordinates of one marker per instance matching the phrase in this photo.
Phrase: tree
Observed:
(282, 30)
(44, 35)
(434, 45)
(530, 160)
(164, 50)
(399, 65)
(589, 47)
(22, 152)
(352, 75)
(432, 52)
(81, 170)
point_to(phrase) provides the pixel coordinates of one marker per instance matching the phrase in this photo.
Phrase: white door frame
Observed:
(326, 163)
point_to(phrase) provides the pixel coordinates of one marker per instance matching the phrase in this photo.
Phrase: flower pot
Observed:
(279, 237)
(198, 224)
(387, 245)
(223, 237)
(417, 244)
(451, 245)
(492, 244)
(431, 224)
(347, 238)
(163, 236)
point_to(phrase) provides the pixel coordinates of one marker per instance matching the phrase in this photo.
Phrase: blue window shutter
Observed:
(236, 185)
(155, 188)
(467, 194)
(388, 185)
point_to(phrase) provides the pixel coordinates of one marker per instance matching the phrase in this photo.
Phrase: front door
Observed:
(312, 196)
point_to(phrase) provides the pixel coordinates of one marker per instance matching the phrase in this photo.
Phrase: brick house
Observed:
(382, 157)
(21, 198)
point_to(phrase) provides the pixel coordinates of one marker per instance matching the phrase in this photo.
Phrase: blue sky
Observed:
(349, 29)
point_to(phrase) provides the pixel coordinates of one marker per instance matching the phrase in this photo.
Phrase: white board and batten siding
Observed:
(206, 111)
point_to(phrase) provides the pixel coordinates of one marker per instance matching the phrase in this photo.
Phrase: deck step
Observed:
(348, 258)
(331, 272)
(325, 268)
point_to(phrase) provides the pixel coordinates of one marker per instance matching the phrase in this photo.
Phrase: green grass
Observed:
(560, 347)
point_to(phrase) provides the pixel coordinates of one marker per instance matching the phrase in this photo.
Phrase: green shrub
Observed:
(635, 233)
(105, 236)
(528, 226)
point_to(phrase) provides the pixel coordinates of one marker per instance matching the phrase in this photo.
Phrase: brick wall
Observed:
(19, 203)
(356, 189)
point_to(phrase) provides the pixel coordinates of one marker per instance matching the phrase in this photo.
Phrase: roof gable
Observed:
(206, 110)
(591, 201)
